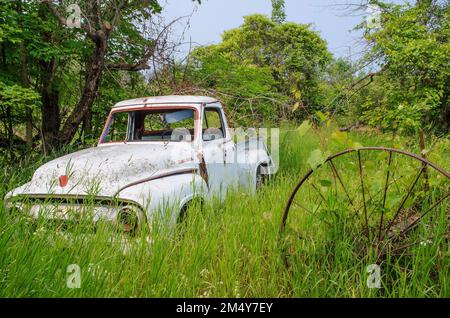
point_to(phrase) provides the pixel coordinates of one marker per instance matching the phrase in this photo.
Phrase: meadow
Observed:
(229, 249)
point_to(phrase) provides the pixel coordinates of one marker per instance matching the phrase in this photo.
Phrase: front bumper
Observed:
(71, 207)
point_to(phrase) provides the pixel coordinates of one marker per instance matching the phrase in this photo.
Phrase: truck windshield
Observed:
(151, 125)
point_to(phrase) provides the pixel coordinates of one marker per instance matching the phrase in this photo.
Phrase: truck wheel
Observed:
(184, 210)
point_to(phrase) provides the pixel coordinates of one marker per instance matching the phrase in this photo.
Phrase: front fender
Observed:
(166, 195)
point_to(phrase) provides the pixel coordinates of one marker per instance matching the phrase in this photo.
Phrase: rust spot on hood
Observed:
(63, 180)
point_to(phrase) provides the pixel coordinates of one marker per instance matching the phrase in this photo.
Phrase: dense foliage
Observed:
(44, 51)
(265, 60)
(412, 50)
(57, 83)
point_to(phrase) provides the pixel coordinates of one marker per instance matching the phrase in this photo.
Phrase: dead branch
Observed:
(150, 51)
(351, 127)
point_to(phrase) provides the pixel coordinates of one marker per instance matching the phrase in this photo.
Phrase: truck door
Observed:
(218, 149)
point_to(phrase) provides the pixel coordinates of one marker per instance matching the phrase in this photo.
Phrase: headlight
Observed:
(15, 209)
(128, 219)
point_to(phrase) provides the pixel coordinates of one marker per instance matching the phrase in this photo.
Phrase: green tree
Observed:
(15, 105)
(292, 54)
(411, 47)
(66, 65)
(278, 11)
(246, 88)
(105, 27)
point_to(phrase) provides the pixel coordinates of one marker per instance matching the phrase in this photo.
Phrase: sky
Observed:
(210, 19)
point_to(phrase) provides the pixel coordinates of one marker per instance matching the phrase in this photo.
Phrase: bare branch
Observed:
(117, 13)
(128, 67)
(142, 64)
(62, 20)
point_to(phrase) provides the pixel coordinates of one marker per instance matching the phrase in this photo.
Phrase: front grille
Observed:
(69, 208)
(72, 200)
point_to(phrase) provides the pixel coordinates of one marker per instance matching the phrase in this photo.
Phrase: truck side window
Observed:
(212, 125)
(117, 130)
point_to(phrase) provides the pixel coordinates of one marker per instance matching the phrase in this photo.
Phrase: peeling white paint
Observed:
(104, 170)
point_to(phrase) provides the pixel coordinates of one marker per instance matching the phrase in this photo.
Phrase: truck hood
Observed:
(104, 170)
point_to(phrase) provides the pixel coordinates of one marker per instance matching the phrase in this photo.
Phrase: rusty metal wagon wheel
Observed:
(371, 201)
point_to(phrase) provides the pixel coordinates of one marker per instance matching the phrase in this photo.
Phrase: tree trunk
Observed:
(10, 132)
(90, 89)
(29, 128)
(51, 119)
(87, 126)
(50, 112)
(26, 83)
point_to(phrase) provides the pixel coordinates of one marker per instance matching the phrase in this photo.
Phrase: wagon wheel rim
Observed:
(381, 237)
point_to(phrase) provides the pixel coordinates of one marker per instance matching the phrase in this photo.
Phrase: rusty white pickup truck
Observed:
(154, 157)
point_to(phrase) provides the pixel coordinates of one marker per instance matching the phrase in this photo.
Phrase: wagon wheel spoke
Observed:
(363, 195)
(318, 192)
(301, 206)
(386, 186)
(382, 210)
(403, 201)
(393, 240)
(335, 172)
(388, 203)
(403, 240)
(434, 206)
(376, 196)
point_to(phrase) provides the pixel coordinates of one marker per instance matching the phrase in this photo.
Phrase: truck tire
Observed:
(184, 210)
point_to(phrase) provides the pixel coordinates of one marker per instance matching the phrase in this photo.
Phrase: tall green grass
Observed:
(229, 249)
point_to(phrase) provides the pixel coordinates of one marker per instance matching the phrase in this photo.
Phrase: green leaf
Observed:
(316, 158)
(325, 183)
(304, 128)
(340, 136)
(321, 116)
(357, 145)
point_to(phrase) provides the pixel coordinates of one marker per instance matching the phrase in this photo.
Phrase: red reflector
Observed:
(63, 180)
